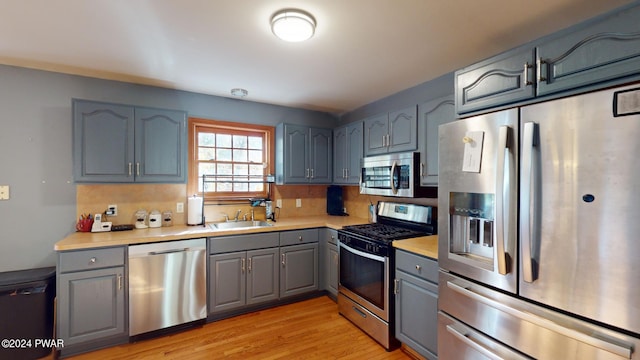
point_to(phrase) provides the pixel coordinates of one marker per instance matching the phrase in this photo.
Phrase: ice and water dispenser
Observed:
(471, 218)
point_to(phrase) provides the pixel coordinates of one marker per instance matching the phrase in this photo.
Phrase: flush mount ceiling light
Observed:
(237, 92)
(293, 25)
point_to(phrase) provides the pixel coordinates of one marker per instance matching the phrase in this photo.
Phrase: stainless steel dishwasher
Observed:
(167, 284)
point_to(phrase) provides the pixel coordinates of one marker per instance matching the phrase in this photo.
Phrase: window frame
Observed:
(269, 153)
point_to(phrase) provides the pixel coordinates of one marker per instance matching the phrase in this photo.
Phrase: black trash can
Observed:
(26, 313)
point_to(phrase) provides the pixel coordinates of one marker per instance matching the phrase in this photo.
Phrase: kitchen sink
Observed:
(230, 225)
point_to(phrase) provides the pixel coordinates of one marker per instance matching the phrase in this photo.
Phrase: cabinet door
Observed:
(403, 126)
(432, 115)
(340, 155)
(103, 142)
(376, 130)
(227, 281)
(160, 145)
(296, 147)
(91, 305)
(262, 275)
(298, 269)
(320, 155)
(606, 50)
(502, 79)
(332, 269)
(417, 314)
(354, 152)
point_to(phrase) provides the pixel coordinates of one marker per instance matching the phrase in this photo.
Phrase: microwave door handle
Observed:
(527, 199)
(393, 172)
(502, 200)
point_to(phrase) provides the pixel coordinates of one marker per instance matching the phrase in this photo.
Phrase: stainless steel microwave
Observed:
(394, 175)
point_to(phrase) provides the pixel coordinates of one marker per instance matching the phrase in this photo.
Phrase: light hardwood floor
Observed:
(310, 329)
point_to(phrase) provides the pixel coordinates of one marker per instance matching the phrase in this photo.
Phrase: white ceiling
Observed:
(363, 50)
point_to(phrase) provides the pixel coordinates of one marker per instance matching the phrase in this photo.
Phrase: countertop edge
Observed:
(424, 246)
(87, 240)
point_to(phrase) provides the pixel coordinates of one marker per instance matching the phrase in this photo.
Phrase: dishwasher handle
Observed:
(168, 251)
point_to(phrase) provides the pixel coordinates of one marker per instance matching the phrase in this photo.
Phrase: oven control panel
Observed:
(367, 246)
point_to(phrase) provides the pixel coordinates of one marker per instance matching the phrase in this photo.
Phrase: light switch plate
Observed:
(279, 203)
(298, 202)
(4, 192)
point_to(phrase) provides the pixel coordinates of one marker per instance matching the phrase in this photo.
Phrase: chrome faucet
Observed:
(238, 214)
(244, 217)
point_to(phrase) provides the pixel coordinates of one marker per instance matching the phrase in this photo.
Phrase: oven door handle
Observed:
(362, 253)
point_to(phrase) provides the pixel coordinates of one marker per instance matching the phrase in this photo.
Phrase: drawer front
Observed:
(417, 265)
(91, 259)
(298, 237)
(224, 244)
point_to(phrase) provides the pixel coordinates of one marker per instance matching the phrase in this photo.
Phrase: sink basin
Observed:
(239, 225)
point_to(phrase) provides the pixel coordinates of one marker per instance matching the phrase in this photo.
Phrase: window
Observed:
(235, 158)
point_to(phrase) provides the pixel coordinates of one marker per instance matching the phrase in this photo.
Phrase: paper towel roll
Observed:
(194, 210)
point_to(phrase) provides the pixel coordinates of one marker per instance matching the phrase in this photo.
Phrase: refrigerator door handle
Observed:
(467, 340)
(501, 199)
(526, 201)
(593, 339)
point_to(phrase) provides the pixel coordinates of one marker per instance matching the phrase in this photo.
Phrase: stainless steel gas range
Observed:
(367, 262)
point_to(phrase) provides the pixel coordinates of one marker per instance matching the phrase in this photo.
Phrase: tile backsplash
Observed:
(130, 198)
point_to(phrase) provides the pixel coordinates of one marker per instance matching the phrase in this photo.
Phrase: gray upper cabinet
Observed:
(118, 143)
(601, 52)
(432, 114)
(606, 50)
(303, 155)
(347, 153)
(502, 79)
(392, 132)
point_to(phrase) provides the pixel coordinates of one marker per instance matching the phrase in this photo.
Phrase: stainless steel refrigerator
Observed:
(539, 230)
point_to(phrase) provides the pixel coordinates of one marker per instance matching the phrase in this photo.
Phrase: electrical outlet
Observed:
(298, 202)
(112, 210)
(4, 192)
(179, 208)
(279, 203)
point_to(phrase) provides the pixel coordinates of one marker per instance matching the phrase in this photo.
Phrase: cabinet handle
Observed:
(388, 140)
(249, 265)
(242, 265)
(539, 63)
(137, 169)
(300, 238)
(307, 174)
(130, 169)
(312, 173)
(119, 282)
(92, 260)
(346, 173)
(384, 140)
(418, 267)
(396, 289)
(421, 169)
(282, 256)
(526, 74)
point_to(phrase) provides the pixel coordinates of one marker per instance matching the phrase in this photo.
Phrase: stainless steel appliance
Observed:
(538, 249)
(167, 285)
(367, 261)
(394, 175)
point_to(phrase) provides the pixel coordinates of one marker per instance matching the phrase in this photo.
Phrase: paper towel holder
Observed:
(191, 221)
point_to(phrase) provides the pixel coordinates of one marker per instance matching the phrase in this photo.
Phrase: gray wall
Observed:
(36, 149)
(433, 89)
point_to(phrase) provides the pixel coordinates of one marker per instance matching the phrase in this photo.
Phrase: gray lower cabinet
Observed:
(242, 278)
(391, 132)
(243, 270)
(329, 267)
(91, 299)
(597, 53)
(303, 155)
(115, 143)
(416, 286)
(432, 114)
(299, 262)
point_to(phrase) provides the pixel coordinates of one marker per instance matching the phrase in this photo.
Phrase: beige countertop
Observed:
(425, 246)
(86, 240)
